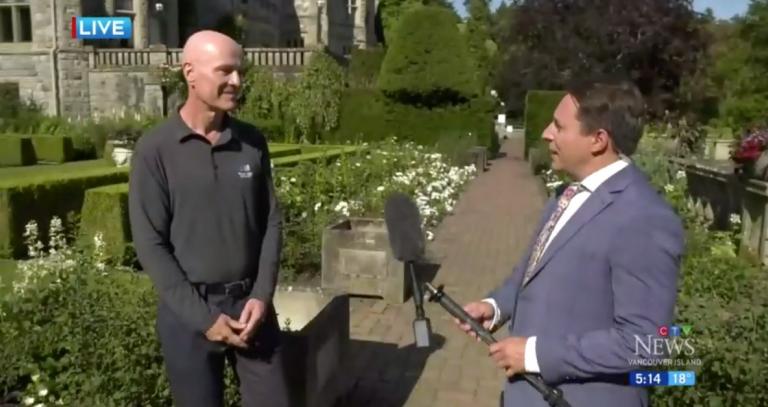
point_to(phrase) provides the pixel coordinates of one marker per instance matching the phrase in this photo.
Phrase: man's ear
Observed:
(189, 73)
(601, 141)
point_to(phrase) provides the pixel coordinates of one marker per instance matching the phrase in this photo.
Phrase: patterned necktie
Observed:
(541, 241)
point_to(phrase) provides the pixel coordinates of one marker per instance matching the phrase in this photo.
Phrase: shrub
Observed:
(42, 192)
(294, 111)
(367, 116)
(98, 348)
(722, 295)
(315, 195)
(105, 212)
(314, 100)
(539, 107)
(364, 67)
(53, 149)
(427, 62)
(265, 96)
(16, 151)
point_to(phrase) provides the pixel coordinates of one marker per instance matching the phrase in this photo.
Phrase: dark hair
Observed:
(613, 105)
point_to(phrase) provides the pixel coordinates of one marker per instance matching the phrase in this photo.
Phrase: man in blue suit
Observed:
(602, 271)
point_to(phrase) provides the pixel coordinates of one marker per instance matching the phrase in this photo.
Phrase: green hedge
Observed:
(364, 67)
(539, 107)
(55, 149)
(16, 151)
(427, 62)
(28, 193)
(51, 149)
(105, 211)
(368, 116)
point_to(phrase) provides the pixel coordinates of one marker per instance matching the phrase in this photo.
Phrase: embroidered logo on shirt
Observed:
(245, 171)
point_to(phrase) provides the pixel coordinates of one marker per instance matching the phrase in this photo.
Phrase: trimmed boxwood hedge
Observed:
(105, 210)
(54, 149)
(16, 151)
(368, 116)
(39, 194)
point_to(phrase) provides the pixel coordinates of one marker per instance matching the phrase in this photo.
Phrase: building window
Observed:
(15, 23)
(124, 5)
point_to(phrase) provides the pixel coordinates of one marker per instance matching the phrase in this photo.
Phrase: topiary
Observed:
(427, 63)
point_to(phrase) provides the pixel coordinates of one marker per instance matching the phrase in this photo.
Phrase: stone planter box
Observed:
(356, 258)
(315, 325)
(478, 156)
(720, 149)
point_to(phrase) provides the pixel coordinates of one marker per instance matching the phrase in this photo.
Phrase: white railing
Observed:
(116, 58)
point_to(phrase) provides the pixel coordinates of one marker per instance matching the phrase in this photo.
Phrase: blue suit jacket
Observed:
(608, 275)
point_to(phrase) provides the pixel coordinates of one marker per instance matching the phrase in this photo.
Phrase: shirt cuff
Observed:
(496, 312)
(531, 362)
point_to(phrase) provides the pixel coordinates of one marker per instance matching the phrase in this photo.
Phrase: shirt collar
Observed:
(594, 180)
(180, 130)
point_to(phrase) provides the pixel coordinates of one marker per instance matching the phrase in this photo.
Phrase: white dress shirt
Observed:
(590, 183)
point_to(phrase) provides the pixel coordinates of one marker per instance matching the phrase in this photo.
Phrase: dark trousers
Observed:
(195, 365)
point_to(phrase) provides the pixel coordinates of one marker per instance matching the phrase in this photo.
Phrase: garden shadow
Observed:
(384, 374)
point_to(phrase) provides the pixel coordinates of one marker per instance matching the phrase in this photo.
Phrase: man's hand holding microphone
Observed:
(509, 353)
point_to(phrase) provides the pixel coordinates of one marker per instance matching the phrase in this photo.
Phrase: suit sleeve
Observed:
(272, 243)
(644, 264)
(150, 219)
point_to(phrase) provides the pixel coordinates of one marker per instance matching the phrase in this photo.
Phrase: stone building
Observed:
(71, 77)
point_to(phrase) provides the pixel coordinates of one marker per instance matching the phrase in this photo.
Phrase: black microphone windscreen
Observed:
(406, 237)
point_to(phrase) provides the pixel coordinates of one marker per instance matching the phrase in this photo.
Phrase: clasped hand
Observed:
(238, 332)
(509, 353)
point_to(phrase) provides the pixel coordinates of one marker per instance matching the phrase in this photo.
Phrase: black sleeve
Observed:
(150, 219)
(272, 242)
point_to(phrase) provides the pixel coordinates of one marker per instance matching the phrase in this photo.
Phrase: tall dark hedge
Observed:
(539, 107)
(427, 63)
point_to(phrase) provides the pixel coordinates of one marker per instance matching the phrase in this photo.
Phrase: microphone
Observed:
(406, 239)
(407, 242)
(553, 396)
(404, 227)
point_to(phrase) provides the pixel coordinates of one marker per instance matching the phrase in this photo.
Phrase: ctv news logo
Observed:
(672, 346)
(101, 28)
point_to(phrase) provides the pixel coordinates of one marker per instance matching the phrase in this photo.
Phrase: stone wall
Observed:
(33, 74)
(73, 83)
(132, 90)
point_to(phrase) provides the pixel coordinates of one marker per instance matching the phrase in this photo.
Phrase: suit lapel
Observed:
(600, 199)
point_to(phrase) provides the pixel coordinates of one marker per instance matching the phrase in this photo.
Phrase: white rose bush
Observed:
(315, 195)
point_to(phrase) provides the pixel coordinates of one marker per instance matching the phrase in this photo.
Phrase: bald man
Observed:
(207, 229)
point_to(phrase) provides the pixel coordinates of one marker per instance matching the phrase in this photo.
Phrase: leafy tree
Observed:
(549, 42)
(730, 87)
(428, 63)
(479, 40)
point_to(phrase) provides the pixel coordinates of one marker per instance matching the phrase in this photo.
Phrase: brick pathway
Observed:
(476, 248)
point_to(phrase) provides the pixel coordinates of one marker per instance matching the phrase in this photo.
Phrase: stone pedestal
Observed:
(315, 325)
(478, 156)
(356, 258)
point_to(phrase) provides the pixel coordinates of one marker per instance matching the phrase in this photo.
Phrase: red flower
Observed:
(751, 147)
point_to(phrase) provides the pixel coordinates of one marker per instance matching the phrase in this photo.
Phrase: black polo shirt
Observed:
(203, 213)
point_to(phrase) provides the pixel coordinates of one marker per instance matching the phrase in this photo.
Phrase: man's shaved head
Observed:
(211, 62)
(206, 44)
